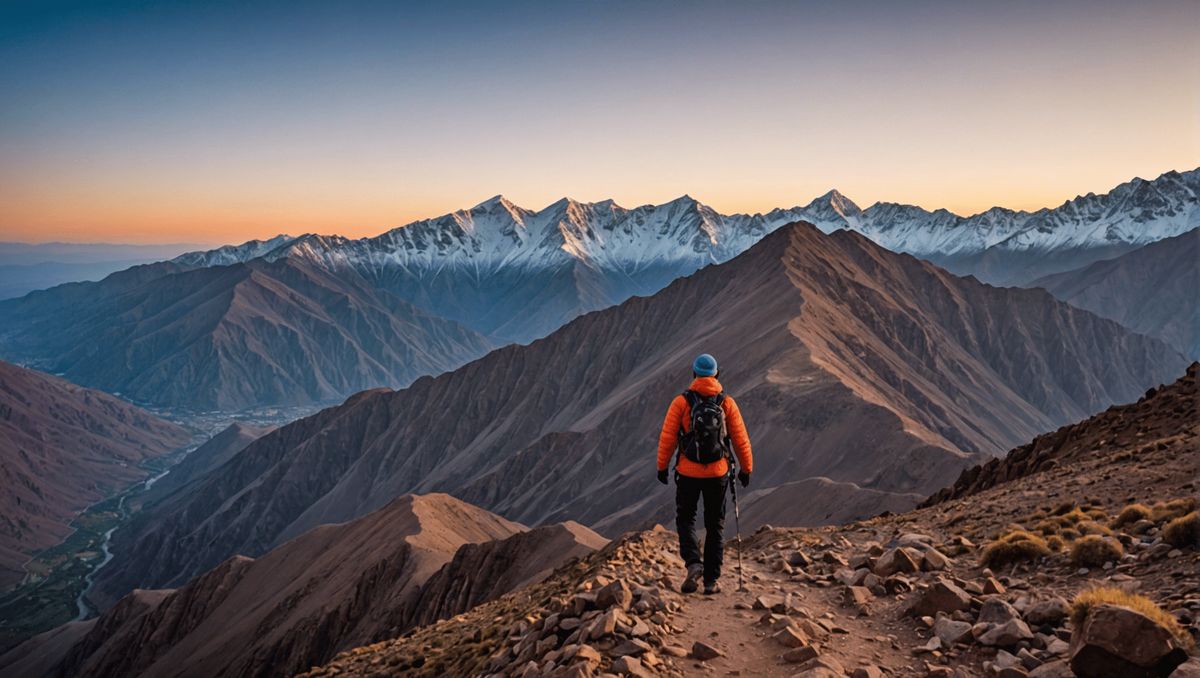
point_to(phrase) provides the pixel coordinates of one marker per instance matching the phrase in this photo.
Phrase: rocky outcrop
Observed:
(1117, 642)
(62, 448)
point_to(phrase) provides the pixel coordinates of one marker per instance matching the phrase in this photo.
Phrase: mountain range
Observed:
(309, 319)
(876, 370)
(26, 267)
(62, 448)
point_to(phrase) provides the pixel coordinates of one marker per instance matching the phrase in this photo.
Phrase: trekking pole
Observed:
(737, 522)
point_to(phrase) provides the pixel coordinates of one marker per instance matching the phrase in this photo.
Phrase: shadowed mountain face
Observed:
(1153, 290)
(62, 448)
(230, 337)
(849, 362)
(417, 560)
(1166, 412)
(204, 459)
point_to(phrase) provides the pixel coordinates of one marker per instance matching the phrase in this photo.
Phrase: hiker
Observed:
(701, 426)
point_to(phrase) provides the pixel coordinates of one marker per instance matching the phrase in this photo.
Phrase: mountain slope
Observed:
(850, 362)
(1152, 290)
(62, 448)
(204, 459)
(416, 560)
(235, 336)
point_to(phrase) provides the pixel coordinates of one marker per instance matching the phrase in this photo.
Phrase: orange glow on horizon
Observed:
(109, 215)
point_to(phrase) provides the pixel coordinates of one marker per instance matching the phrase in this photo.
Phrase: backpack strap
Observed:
(691, 398)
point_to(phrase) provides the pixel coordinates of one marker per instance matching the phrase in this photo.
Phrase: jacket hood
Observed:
(706, 386)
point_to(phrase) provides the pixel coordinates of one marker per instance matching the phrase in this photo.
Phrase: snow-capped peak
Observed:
(497, 233)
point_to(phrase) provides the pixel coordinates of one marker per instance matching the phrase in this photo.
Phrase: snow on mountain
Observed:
(998, 245)
(232, 254)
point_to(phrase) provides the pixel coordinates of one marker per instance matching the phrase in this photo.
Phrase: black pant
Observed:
(688, 492)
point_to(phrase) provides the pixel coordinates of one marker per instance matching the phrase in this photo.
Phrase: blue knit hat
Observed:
(704, 365)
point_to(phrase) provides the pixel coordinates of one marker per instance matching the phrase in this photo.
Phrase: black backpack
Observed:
(707, 441)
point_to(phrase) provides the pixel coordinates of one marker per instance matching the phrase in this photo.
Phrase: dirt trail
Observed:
(729, 622)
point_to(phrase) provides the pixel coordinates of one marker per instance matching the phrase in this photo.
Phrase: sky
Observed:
(224, 121)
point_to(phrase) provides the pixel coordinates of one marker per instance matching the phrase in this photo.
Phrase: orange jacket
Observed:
(679, 417)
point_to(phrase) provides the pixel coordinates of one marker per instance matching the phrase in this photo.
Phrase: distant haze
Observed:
(139, 123)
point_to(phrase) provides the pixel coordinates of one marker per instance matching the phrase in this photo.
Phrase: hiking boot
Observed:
(693, 579)
(711, 587)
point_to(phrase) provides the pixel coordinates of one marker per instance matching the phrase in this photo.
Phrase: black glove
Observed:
(744, 478)
(662, 476)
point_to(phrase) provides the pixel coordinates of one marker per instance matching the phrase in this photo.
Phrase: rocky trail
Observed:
(1078, 554)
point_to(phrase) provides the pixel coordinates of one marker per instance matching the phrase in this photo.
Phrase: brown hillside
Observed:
(62, 448)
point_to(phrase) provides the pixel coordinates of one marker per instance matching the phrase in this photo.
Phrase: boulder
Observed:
(857, 595)
(1118, 642)
(895, 561)
(821, 667)
(772, 603)
(992, 586)
(633, 646)
(933, 560)
(616, 594)
(790, 636)
(1188, 669)
(1048, 612)
(1007, 634)
(1055, 669)
(629, 666)
(799, 655)
(950, 631)
(867, 672)
(586, 654)
(941, 596)
(704, 651)
(997, 611)
(798, 559)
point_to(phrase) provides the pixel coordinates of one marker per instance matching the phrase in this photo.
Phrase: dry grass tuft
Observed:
(1016, 546)
(1092, 527)
(1094, 550)
(1063, 509)
(1131, 514)
(1109, 595)
(1047, 527)
(1055, 543)
(1170, 510)
(1183, 531)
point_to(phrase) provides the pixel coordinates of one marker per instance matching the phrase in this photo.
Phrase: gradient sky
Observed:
(219, 122)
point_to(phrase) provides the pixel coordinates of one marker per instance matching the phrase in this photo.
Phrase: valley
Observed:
(56, 581)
